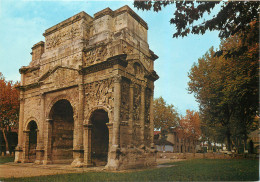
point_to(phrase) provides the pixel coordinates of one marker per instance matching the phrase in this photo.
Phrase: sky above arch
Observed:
(23, 22)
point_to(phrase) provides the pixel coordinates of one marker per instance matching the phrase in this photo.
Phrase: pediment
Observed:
(59, 75)
(52, 71)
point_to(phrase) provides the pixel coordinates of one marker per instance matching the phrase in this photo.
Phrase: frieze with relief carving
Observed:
(99, 93)
(61, 77)
(125, 100)
(57, 39)
(137, 102)
(94, 55)
(147, 115)
(136, 114)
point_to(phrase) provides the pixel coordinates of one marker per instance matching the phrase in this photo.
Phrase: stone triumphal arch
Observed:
(87, 95)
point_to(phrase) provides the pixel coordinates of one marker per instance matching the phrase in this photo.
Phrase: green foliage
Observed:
(233, 17)
(191, 170)
(227, 90)
(165, 116)
(190, 17)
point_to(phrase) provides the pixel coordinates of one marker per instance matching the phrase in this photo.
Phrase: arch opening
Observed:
(99, 137)
(62, 132)
(32, 127)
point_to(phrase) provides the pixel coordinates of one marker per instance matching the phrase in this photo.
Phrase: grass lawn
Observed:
(5, 159)
(190, 170)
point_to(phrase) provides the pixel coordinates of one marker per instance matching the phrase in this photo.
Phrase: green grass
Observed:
(190, 170)
(5, 159)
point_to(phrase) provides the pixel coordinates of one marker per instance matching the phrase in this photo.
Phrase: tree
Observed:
(227, 88)
(190, 17)
(9, 107)
(165, 117)
(189, 126)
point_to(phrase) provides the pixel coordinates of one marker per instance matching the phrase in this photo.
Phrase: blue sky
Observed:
(23, 22)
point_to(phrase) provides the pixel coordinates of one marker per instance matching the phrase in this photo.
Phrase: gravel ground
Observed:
(10, 170)
(13, 170)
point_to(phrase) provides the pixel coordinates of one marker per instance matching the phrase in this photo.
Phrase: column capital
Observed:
(42, 94)
(88, 125)
(109, 124)
(117, 78)
(143, 87)
(49, 120)
(26, 131)
(132, 84)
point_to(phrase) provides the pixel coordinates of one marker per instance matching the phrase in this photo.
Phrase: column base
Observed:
(89, 165)
(77, 163)
(37, 162)
(46, 162)
(78, 154)
(18, 155)
(112, 164)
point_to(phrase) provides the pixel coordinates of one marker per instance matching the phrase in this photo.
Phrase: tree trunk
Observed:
(228, 140)
(6, 142)
(245, 144)
(184, 150)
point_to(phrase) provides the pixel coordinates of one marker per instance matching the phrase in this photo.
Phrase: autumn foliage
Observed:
(9, 106)
(227, 87)
(189, 126)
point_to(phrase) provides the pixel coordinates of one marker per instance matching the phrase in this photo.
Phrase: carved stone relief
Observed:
(62, 77)
(136, 114)
(56, 39)
(125, 89)
(137, 102)
(147, 115)
(94, 55)
(99, 93)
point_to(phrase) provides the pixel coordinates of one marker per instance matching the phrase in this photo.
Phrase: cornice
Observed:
(109, 63)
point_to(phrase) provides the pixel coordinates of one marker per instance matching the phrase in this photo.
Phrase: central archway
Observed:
(62, 132)
(99, 137)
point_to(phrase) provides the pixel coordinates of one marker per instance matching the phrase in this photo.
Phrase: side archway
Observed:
(31, 135)
(99, 137)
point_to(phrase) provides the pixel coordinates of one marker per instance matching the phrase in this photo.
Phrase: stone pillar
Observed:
(151, 119)
(131, 112)
(87, 145)
(110, 134)
(78, 152)
(47, 142)
(142, 110)
(38, 150)
(113, 162)
(18, 149)
(40, 133)
(26, 146)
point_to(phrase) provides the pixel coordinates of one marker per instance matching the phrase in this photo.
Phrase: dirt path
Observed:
(10, 170)
(13, 170)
